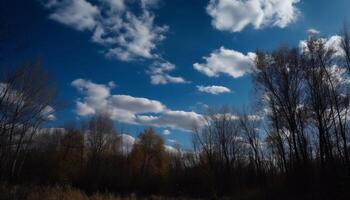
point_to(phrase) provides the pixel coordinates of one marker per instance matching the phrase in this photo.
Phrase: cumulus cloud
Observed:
(213, 89)
(166, 132)
(97, 98)
(125, 34)
(78, 14)
(340, 77)
(331, 43)
(226, 61)
(127, 142)
(159, 74)
(334, 44)
(235, 15)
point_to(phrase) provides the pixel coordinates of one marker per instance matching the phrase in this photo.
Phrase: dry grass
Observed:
(63, 193)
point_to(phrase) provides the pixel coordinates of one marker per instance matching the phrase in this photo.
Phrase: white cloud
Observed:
(229, 116)
(149, 3)
(340, 77)
(334, 43)
(134, 104)
(186, 121)
(127, 142)
(162, 79)
(166, 132)
(98, 91)
(125, 34)
(312, 31)
(199, 107)
(83, 109)
(97, 98)
(111, 84)
(171, 149)
(235, 15)
(137, 37)
(213, 89)
(115, 5)
(226, 61)
(11, 97)
(172, 141)
(159, 74)
(331, 43)
(48, 113)
(78, 14)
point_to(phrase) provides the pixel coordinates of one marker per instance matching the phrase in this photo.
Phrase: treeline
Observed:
(294, 145)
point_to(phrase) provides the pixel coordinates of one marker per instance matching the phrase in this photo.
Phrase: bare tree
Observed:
(219, 145)
(345, 45)
(27, 97)
(251, 134)
(279, 78)
(99, 127)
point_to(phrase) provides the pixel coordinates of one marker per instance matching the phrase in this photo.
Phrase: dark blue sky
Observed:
(60, 33)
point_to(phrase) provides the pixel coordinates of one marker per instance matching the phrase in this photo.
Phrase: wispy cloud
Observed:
(213, 89)
(172, 141)
(160, 74)
(312, 31)
(124, 33)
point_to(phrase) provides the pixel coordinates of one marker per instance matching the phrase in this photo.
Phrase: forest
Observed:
(292, 143)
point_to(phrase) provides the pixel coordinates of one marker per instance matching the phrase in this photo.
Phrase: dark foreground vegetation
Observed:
(295, 146)
(68, 193)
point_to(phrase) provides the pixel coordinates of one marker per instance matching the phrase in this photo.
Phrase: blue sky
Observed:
(149, 50)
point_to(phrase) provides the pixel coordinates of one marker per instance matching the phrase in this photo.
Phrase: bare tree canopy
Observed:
(27, 97)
